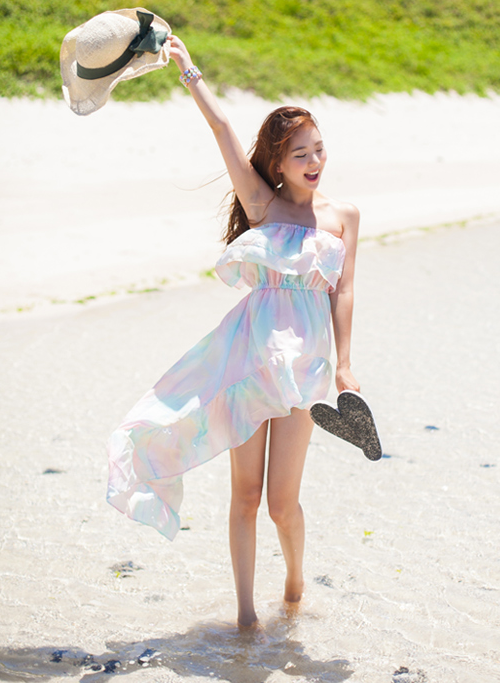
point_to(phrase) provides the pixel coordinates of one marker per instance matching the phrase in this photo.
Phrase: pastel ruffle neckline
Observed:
(285, 248)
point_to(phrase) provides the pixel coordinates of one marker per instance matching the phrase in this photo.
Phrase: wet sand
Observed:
(402, 568)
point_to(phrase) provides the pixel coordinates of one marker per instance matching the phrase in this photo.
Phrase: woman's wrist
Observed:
(344, 364)
(185, 63)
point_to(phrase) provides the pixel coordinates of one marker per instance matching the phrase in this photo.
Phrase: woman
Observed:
(268, 360)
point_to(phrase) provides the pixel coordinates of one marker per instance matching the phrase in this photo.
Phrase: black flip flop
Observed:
(352, 421)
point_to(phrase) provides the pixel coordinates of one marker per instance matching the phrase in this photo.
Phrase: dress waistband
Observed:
(288, 286)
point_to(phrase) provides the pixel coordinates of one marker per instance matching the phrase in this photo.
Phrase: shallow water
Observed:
(211, 649)
(402, 570)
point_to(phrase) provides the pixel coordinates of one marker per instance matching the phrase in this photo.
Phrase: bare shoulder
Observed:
(338, 217)
(348, 211)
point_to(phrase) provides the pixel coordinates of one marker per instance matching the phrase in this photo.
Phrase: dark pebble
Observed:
(146, 656)
(111, 666)
(125, 568)
(324, 580)
(57, 655)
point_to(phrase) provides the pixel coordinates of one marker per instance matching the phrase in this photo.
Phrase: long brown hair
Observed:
(265, 154)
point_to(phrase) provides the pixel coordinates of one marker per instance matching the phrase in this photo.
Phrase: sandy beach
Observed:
(119, 200)
(402, 566)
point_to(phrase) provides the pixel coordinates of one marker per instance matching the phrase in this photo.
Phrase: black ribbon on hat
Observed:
(148, 40)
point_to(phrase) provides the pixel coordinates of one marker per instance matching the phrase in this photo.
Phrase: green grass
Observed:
(345, 48)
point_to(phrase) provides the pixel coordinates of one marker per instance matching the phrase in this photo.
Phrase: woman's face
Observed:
(304, 159)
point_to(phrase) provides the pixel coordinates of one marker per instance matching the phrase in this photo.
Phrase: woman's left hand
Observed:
(344, 379)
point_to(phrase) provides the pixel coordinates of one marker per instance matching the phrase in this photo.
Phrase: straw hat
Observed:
(111, 47)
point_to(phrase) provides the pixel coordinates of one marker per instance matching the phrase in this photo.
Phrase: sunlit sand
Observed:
(401, 564)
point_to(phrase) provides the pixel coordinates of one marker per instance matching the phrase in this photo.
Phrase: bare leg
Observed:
(247, 478)
(287, 452)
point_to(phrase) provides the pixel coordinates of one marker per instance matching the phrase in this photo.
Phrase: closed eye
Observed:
(302, 156)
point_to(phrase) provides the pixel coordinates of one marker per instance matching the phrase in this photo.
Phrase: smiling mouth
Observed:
(312, 176)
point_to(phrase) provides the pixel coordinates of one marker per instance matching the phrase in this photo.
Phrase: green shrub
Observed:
(346, 48)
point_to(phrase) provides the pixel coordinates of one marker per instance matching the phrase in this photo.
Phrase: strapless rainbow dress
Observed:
(270, 353)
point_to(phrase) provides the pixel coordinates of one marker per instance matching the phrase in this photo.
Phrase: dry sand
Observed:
(402, 564)
(113, 201)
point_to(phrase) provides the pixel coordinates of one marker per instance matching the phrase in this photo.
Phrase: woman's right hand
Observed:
(179, 53)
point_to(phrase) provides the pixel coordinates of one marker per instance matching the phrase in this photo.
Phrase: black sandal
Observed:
(352, 421)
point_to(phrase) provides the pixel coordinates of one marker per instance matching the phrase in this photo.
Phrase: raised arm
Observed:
(342, 301)
(253, 192)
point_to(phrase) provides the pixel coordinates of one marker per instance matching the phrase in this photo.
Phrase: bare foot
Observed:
(293, 591)
(249, 625)
(253, 634)
(291, 610)
(247, 621)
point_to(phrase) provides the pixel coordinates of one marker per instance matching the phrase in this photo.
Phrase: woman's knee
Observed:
(246, 501)
(283, 513)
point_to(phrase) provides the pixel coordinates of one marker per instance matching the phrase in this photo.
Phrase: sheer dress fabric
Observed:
(269, 354)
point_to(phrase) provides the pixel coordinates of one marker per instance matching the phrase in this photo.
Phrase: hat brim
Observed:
(86, 96)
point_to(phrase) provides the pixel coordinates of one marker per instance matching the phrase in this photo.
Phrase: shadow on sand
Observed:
(216, 650)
